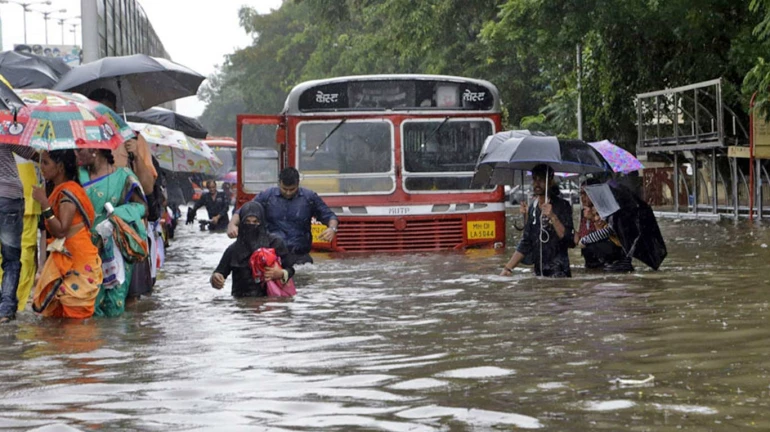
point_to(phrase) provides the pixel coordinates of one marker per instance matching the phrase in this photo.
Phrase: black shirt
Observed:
(555, 262)
(215, 206)
(244, 284)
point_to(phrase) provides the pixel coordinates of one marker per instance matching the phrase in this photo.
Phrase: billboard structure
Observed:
(117, 28)
(70, 54)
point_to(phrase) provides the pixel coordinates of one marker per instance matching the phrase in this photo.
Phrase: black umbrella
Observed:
(170, 119)
(139, 81)
(633, 221)
(56, 63)
(9, 99)
(29, 70)
(506, 152)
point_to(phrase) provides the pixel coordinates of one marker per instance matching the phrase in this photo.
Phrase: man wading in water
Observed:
(548, 232)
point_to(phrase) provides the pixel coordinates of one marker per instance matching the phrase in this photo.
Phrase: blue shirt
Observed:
(291, 218)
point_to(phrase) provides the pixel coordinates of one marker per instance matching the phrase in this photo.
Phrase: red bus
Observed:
(225, 149)
(392, 156)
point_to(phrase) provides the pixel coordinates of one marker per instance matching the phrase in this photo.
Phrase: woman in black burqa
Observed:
(252, 235)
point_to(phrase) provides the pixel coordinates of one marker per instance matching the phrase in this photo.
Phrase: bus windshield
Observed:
(356, 156)
(227, 156)
(441, 154)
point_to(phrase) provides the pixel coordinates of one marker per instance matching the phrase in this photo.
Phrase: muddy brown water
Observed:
(415, 342)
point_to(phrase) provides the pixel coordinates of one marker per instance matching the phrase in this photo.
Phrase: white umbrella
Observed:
(176, 151)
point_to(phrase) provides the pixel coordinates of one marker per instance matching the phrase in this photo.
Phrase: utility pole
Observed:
(579, 91)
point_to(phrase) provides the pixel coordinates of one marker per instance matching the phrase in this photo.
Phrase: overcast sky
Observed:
(195, 36)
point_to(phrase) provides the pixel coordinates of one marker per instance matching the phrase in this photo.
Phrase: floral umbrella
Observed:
(176, 151)
(53, 120)
(619, 159)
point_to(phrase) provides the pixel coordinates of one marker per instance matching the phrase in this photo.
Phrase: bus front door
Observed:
(260, 157)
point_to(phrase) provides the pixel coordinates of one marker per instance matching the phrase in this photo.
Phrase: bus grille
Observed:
(382, 235)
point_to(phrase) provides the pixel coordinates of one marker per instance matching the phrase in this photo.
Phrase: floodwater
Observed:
(417, 342)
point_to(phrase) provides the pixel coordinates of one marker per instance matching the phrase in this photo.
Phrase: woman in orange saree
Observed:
(70, 279)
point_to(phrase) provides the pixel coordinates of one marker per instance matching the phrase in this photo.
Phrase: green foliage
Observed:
(525, 47)
(757, 80)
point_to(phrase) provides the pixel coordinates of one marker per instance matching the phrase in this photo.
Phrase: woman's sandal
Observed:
(6, 319)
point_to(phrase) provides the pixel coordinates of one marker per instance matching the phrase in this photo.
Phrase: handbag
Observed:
(266, 257)
(141, 276)
(278, 289)
(141, 279)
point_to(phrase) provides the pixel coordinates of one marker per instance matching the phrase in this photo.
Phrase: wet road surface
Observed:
(417, 342)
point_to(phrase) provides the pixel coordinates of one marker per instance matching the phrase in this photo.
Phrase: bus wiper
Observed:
(435, 131)
(327, 136)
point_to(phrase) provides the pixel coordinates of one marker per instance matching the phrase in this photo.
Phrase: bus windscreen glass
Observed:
(227, 156)
(441, 154)
(349, 157)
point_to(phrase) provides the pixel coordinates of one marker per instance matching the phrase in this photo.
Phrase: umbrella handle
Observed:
(122, 102)
(131, 159)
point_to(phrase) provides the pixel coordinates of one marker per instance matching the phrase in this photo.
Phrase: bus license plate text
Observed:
(478, 230)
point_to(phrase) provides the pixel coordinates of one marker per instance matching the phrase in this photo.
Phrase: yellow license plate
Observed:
(317, 230)
(479, 230)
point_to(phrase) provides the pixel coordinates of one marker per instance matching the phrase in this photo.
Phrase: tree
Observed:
(525, 47)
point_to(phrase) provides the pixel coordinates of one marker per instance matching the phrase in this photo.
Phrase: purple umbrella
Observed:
(619, 159)
(231, 177)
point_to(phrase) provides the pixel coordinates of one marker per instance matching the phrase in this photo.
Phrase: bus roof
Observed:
(220, 142)
(403, 92)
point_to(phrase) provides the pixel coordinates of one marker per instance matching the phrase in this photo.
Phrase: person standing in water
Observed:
(548, 233)
(252, 235)
(289, 210)
(69, 281)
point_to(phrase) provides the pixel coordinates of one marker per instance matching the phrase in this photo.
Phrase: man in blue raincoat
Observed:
(289, 210)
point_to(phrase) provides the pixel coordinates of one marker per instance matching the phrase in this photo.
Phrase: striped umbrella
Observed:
(52, 120)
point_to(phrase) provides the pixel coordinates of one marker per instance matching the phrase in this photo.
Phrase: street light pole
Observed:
(46, 17)
(61, 23)
(74, 33)
(26, 6)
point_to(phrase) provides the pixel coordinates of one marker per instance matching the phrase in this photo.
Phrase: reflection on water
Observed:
(415, 343)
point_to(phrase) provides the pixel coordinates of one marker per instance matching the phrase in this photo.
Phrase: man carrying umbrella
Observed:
(548, 233)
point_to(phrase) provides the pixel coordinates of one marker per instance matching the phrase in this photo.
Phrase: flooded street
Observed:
(416, 342)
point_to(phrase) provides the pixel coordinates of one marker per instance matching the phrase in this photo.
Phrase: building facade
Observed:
(117, 28)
